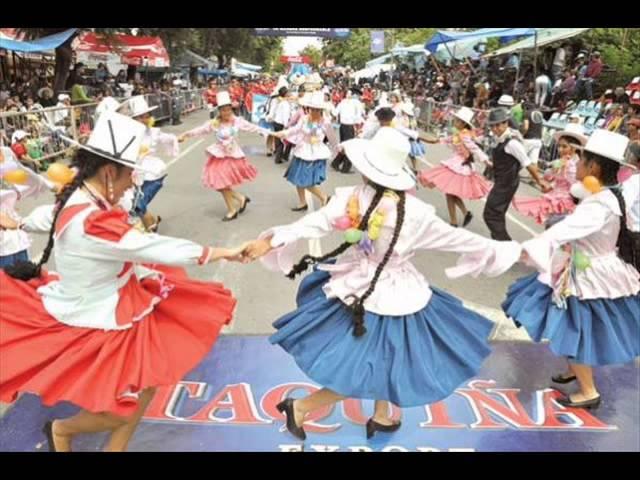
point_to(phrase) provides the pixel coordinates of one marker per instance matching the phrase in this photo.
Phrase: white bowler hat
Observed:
(315, 100)
(136, 106)
(223, 99)
(507, 101)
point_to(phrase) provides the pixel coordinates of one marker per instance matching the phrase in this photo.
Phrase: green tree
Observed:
(314, 54)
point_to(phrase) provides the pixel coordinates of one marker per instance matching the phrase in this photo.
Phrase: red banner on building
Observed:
(295, 59)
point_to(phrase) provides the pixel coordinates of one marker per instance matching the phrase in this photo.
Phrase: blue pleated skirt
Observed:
(592, 332)
(417, 149)
(410, 360)
(303, 173)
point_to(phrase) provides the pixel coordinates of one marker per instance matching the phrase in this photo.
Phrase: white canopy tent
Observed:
(372, 71)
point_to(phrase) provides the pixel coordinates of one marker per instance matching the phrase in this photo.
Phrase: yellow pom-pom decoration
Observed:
(60, 173)
(592, 184)
(16, 177)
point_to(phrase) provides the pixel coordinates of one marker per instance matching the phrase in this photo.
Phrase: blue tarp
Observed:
(212, 73)
(39, 45)
(507, 34)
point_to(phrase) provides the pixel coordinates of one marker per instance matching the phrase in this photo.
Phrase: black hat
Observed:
(498, 115)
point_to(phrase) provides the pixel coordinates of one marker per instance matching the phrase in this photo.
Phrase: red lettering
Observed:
(352, 411)
(438, 417)
(280, 392)
(551, 413)
(510, 410)
(169, 398)
(236, 398)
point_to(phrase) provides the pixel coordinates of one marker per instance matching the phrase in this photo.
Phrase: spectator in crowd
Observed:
(101, 74)
(45, 97)
(19, 148)
(543, 87)
(593, 71)
(75, 83)
(559, 61)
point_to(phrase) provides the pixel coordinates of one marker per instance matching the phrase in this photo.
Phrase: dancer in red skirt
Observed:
(227, 165)
(456, 176)
(110, 325)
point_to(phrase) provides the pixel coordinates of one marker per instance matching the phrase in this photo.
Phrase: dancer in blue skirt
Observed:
(368, 325)
(308, 169)
(586, 300)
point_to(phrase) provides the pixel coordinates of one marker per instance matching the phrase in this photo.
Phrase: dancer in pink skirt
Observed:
(559, 200)
(226, 165)
(456, 176)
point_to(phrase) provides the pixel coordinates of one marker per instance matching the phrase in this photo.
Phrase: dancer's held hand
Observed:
(545, 187)
(230, 254)
(7, 223)
(258, 248)
(181, 138)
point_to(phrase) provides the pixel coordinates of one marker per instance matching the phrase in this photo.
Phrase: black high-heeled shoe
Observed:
(588, 404)
(247, 201)
(47, 429)
(286, 407)
(467, 219)
(232, 217)
(561, 379)
(373, 427)
(300, 209)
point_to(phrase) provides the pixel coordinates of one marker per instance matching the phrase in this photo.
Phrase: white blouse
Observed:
(99, 259)
(593, 229)
(401, 289)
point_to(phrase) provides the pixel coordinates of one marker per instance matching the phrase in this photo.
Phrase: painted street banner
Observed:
(228, 403)
(259, 111)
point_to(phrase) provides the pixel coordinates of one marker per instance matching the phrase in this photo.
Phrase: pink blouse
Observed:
(226, 136)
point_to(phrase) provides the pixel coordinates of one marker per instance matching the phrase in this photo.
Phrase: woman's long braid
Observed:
(28, 270)
(357, 307)
(625, 246)
(307, 260)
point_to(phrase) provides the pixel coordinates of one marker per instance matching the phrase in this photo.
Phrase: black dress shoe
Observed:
(467, 219)
(561, 379)
(589, 404)
(300, 209)
(48, 432)
(286, 407)
(247, 201)
(373, 427)
(226, 218)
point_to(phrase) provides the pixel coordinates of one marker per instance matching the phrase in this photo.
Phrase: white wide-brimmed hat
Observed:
(506, 101)
(116, 137)
(573, 130)
(383, 159)
(315, 100)
(608, 144)
(18, 135)
(464, 114)
(136, 106)
(223, 99)
(108, 104)
(408, 109)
